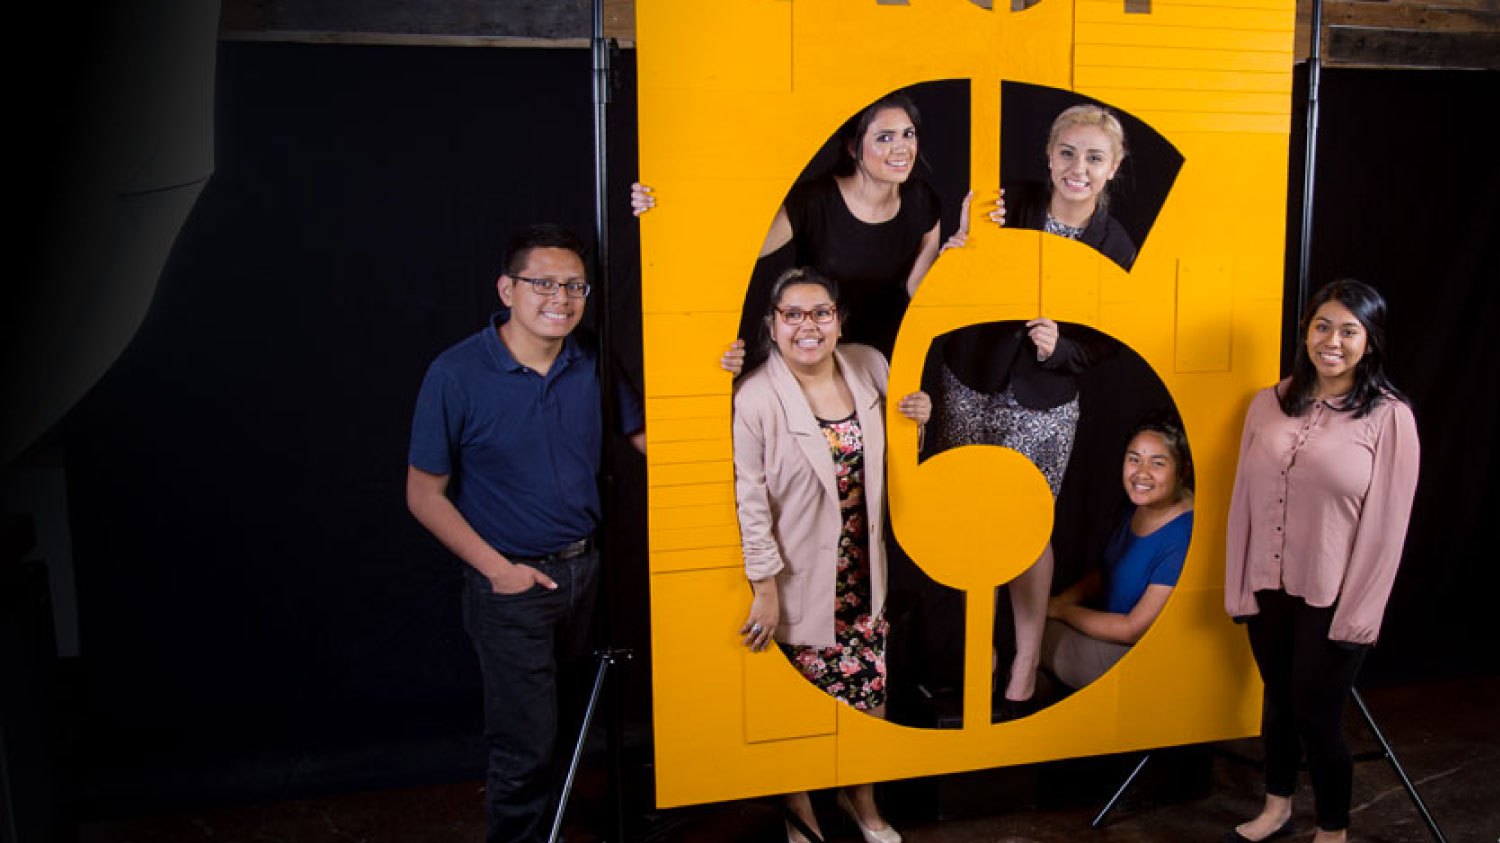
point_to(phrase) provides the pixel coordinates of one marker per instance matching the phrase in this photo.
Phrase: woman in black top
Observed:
(868, 225)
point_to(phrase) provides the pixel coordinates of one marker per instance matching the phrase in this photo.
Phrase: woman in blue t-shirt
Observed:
(1142, 562)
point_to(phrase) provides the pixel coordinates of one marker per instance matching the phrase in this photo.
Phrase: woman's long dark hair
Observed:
(1371, 385)
(852, 133)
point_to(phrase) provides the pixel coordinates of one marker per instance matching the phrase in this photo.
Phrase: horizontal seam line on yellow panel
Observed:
(1189, 4)
(1077, 44)
(1185, 25)
(1141, 111)
(1269, 9)
(1198, 90)
(763, 741)
(696, 570)
(678, 507)
(650, 485)
(1080, 65)
(703, 547)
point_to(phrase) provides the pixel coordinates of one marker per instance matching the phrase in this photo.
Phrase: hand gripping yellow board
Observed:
(735, 97)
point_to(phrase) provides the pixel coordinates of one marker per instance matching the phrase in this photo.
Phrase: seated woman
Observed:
(1142, 562)
(809, 477)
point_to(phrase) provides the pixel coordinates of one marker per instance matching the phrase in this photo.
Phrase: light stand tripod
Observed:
(609, 391)
(1386, 752)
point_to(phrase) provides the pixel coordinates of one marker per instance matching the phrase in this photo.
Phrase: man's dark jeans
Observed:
(525, 641)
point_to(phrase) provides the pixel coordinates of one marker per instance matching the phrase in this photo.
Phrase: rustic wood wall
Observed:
(560, 23)
(1405, 33)
(1356, 33)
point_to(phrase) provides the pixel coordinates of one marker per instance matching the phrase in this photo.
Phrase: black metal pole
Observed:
(605, 660)
(607, 383)
(1310, 155)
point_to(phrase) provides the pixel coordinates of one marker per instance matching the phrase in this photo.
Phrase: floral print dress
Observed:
(853, 669)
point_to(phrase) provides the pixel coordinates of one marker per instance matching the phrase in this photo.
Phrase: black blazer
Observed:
(1027, 204)
(988, 357)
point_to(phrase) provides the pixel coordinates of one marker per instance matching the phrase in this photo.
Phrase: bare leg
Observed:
(1028, 601)
(862, 796)
(1272, 817)
(799, 804)
(1340, 836)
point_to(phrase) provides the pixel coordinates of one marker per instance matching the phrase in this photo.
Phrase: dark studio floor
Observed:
(1445, 734)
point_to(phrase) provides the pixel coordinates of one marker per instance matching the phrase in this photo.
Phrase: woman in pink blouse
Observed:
(1327, 471)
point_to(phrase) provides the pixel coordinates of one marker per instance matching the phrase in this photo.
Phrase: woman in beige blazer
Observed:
(809, 460)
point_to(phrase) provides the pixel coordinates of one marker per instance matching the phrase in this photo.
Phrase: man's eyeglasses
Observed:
(820, 315)
(549, 287)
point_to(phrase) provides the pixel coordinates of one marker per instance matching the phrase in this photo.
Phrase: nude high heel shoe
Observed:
(885, 835)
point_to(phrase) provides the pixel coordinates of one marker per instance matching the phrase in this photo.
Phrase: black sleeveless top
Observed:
(870, 262)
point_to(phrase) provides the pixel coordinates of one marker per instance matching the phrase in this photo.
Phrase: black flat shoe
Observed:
(1233, 836)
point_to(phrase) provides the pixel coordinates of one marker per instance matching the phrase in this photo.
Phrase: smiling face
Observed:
(807, 345)
(1082, 161)
(888, 150)
(1150, 471)
(536, 317)
(1336, 342)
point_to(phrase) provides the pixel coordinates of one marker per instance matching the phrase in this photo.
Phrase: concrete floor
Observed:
(1445, 734)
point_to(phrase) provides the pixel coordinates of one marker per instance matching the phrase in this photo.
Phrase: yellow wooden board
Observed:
(735, 98)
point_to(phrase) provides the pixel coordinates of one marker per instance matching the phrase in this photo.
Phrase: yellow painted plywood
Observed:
(1201, 306)
(1205, 306)
(695, 407)
(1182, 58)
(689, 474)
(1174, 122)
(1177, 78)
(697, 559)
(666, 497)
(1070, 281)
(730, 45)
(681, 352)
(1266, 41)
(1219, 17)
(780, 704)
(698, 691)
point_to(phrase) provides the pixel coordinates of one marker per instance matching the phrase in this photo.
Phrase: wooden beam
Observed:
(1413, 48)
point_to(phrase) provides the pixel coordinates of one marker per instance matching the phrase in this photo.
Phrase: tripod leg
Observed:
(1390, 755)
(605, 659)
(1125, 785)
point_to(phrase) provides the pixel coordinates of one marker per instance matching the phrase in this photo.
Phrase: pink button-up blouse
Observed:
(1320, 508)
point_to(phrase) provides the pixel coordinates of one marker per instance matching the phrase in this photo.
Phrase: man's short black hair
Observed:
(541, 236)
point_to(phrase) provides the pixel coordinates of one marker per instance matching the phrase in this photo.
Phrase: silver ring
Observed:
(756, 629)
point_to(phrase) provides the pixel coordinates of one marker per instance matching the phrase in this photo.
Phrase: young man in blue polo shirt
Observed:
(505, 449)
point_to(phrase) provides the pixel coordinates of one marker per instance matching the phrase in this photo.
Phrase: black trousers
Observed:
(1308, 679)
(526, 642)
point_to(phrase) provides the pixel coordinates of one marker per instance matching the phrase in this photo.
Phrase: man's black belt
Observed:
(572, 551)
